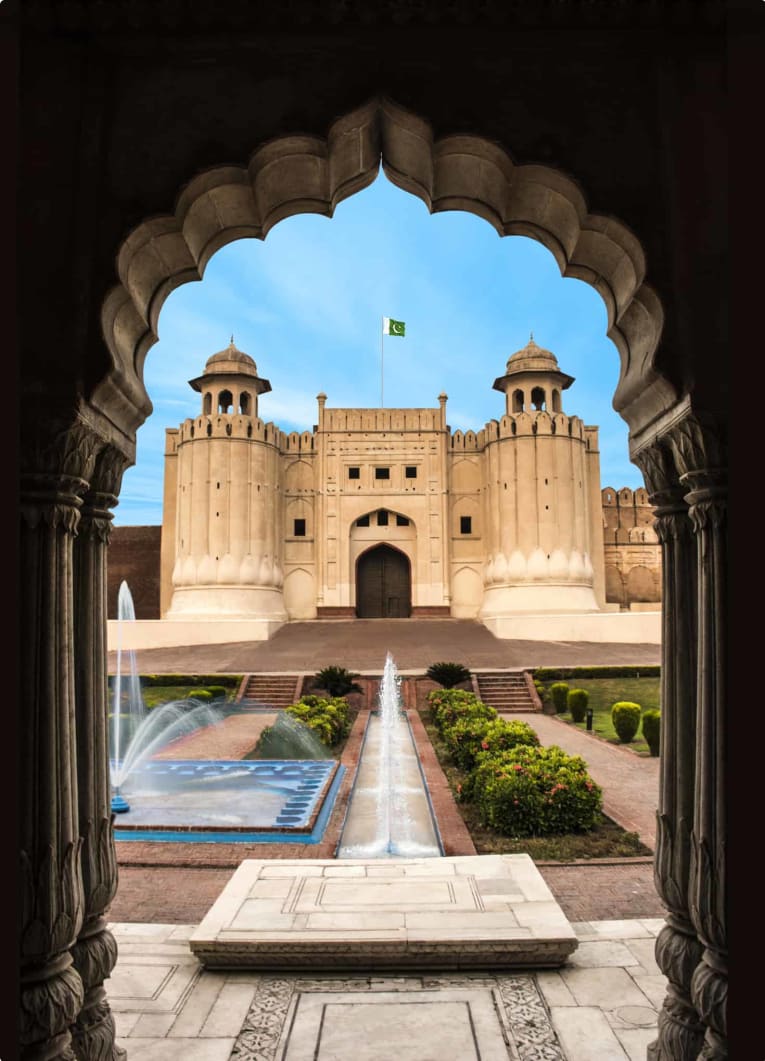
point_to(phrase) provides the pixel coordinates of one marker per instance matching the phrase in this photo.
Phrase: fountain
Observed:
(389, 813)
(209, 800)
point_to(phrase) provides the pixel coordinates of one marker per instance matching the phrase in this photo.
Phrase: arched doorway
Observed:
(383, 584)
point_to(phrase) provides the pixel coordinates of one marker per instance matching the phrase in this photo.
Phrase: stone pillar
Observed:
(678, 950)
(57, 460)
(95, 951)
(701, 453)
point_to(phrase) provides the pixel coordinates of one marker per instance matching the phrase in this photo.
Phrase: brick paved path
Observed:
(232, 738)
(630, 782)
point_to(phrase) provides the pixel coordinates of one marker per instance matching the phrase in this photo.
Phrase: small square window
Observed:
(362, 521)
(299, 530)
(354, 473)
(466, 524)
(382, 518)
(382, 473)
(402, 521)
(410, 471)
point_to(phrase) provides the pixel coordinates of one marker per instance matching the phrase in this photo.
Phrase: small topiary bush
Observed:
(577, 704)
(651, 725)
(217, 692)
(448, 674)
(199, 694)
(626, 718)
(559, 695)
(534, 791)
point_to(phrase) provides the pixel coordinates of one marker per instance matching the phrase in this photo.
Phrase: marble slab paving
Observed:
(470, 912)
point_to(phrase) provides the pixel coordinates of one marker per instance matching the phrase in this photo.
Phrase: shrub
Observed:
(337, 681)
(330, 719)
(559, 694)
(448, 674)
(217, 692)
(651, 725)
(447, 705)
(626, 719)
(577, 703)
(534, 791)
(199, 694)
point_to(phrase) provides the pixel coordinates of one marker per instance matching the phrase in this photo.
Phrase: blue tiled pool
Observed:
(261, 801)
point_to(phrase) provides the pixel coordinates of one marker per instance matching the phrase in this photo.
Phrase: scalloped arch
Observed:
(308, 174)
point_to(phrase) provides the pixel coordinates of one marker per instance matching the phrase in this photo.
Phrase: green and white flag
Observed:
(391, 327)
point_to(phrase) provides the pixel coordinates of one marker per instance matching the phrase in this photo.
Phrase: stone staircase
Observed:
(507, 691)
(273, 690)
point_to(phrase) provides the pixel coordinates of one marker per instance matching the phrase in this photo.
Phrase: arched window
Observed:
(538, 398)
(207, 404)
(244, 403)
(225, 401)
(518, 401)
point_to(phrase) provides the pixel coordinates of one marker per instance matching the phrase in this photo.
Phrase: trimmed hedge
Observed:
(549, 674)
(199, 694)
(533, 791)
(577, 704)
(229, 681)
(651, 725)
(626, 718)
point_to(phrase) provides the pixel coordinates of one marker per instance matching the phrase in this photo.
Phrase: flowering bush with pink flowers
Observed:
(533, 791)
(468, 738)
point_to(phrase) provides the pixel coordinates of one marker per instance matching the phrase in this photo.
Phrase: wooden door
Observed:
(383, 584)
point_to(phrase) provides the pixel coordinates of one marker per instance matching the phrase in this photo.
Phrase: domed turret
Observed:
(533, 380)
(230, 383)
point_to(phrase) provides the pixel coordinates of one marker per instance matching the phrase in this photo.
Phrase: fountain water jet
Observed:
(389, 813)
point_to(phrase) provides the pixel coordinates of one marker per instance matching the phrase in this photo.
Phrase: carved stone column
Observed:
(56, 469)
(678, 951)
(701, 450)
(95, 951)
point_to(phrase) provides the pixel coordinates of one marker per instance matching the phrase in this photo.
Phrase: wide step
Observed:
(468, 912)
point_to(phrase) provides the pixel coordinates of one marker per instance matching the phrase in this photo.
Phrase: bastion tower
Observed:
(544, 533)
(222, 501)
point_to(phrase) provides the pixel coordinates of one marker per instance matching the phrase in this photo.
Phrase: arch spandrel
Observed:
(297, 174)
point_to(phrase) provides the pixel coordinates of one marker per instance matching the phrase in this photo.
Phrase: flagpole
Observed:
(382, 341)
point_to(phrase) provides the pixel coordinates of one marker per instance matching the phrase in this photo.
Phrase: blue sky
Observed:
(307, 304)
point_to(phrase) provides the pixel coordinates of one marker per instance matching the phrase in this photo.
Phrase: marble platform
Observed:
(472, 912)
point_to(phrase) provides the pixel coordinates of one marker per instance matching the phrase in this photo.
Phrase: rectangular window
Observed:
(382, 473)
(411, 471)
(354, 473)
(362, 521)
(466, 524)
(402, 521)
(382, 518)
(299, 530)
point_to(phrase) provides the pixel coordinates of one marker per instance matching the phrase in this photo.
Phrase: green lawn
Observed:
(604, 693)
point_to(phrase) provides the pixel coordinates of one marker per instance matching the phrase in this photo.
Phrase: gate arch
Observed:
(383, 584)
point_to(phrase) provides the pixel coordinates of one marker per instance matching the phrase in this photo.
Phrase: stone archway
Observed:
(72, 467)
(383, 584)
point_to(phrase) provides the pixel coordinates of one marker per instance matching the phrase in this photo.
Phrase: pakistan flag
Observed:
(391, 327)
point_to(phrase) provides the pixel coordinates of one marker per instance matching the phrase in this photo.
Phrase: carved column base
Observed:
(710, 995)
(51, 995)
(93, 1034)
(678, 953)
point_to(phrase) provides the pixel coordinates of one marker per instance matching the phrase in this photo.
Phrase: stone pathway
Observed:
(232, 738)
(602, 1006)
